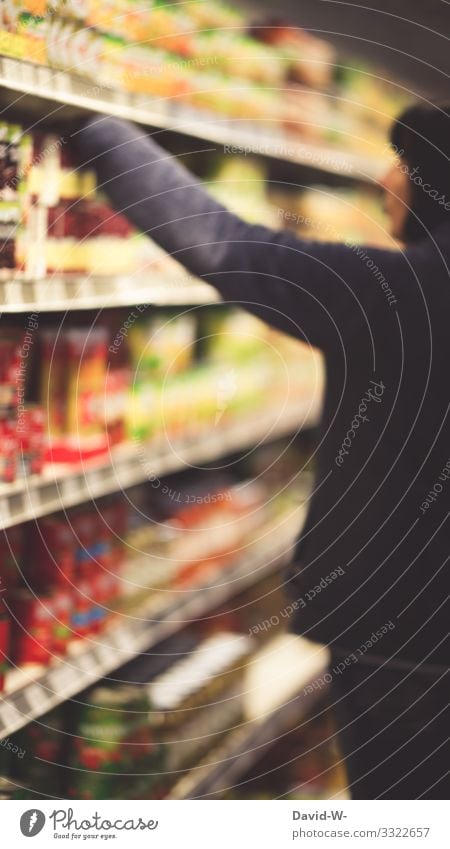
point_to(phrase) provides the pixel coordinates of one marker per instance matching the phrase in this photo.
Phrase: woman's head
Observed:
(417, 186)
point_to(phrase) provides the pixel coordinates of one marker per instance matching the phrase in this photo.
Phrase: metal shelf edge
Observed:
(61, 87)
(28, 499)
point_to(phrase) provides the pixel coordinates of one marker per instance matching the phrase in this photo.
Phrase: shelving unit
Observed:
(268, 715)
(32, 695)
(82, 292)
(32, 691)
(59, 488)
(59, 87)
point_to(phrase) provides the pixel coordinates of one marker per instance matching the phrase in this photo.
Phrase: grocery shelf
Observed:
(61, 487)
(265, 721)
(83, 292)
(30, 695)
(66, 89)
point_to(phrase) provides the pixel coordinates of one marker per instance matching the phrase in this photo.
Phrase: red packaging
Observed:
(86, 375)
(8, 451)
(12, 374)
(36, 417)
(101, 549)
(114, 522)
(111, 526)
(109, 587)
(102, 590)
(62, 632)
(82, 618)
(84, 529)
(53, 356)
(11, 556)
(4, 645)
(32, 639)
(64, 220)
(115, 403)
(99, 219)
(53, 547)
(30, 439)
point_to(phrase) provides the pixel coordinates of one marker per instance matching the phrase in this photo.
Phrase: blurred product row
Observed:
(54, 218)
(209, 57)
(70, 392)
(141, 731)
(70, 576)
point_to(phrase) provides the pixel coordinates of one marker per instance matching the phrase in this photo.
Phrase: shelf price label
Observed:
(11, 69)
(13, 292)
(60, 678)
(57, 290)
(84, 662)
(95, 478)
(70, 487)
(122, 638)
(62, 83)
(27, 75)
(36, 698)
(9, 715)
(44, 78)
(5, 511)
(85, 287)
(103, 654)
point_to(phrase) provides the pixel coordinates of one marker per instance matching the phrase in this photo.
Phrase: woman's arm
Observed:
(314, 291)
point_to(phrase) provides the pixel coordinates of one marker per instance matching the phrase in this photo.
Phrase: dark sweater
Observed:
(380, 505)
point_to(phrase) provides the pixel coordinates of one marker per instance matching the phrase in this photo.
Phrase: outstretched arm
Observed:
(313, 291)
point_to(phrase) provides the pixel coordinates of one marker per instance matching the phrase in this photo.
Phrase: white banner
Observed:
(225, 824)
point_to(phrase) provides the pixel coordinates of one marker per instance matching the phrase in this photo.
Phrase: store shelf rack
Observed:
(129, 464)
(265, 722)
(59, 87)
(31, 695)
(59, 293)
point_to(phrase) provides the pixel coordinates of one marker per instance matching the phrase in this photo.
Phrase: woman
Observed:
(381, 496)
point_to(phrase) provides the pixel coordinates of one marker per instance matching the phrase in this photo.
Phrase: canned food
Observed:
(113, 738)
(8, 451)
(54, 550)
(83, 612)
(30, 433)
(11, 556)
(63, 602)
(32, 639)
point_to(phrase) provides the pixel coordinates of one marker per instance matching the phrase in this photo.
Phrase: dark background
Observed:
(409, 39)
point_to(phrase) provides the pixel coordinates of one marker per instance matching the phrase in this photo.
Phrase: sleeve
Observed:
(314, 291)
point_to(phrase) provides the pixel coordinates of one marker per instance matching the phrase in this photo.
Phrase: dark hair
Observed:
(421, 137)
